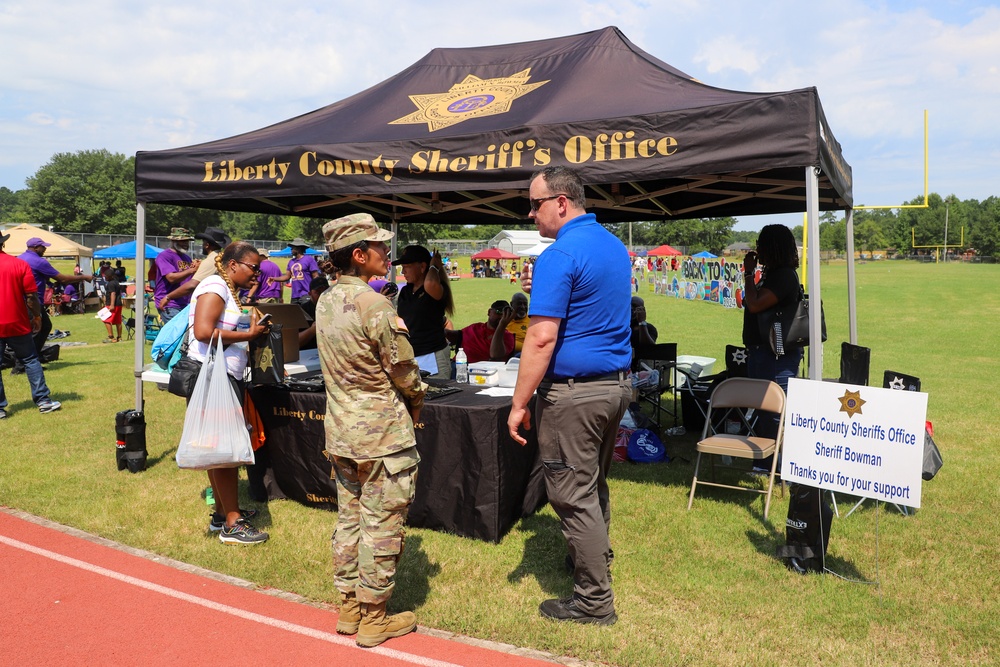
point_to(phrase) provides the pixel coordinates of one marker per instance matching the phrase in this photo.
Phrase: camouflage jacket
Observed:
(369, 372)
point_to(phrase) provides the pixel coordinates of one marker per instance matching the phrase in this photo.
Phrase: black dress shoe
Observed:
(566, 610)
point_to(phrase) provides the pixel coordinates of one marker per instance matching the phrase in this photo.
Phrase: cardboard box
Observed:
(292, 319)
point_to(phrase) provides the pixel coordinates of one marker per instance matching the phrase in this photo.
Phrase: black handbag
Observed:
(183, 376)
(185, 371)
(793, 329)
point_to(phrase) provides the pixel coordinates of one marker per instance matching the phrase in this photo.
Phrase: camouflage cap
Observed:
(350, 229)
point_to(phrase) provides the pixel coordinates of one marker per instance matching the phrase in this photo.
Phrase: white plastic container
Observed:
(485, 373)
(508, 374)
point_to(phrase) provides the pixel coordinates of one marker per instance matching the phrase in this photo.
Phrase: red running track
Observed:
(68, 600)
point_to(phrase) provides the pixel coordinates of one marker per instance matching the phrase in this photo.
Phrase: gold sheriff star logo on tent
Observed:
(472, 98)
(851, 403)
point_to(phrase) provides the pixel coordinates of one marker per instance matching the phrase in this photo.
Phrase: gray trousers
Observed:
(577, 426)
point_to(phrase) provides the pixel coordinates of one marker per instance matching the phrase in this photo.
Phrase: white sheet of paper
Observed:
(497, 391)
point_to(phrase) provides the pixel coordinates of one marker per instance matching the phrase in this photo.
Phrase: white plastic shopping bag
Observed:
(215, 433)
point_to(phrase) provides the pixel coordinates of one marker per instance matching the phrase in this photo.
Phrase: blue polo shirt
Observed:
(584, 278)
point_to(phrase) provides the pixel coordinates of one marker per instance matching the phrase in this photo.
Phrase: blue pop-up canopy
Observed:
(125, 251)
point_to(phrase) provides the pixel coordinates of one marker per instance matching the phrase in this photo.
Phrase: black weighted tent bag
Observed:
(807, 529)
(130, 440)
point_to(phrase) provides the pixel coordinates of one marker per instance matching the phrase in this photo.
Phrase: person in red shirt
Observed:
(489, 340)
(20, 317)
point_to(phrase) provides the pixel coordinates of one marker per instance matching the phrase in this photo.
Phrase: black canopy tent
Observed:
(455, 137)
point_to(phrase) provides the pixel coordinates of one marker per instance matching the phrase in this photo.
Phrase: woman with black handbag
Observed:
(216, 311)
(777, 290)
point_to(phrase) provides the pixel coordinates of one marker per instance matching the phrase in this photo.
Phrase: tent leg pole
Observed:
(812, 220)
(393, 246)
(852, 305)
(140, 294)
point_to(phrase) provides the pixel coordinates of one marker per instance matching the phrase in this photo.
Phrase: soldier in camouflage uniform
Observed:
(373, 397)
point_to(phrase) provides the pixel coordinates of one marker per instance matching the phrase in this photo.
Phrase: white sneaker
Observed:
(49, 406)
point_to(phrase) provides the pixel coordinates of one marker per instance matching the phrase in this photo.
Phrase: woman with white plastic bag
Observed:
(219, 338)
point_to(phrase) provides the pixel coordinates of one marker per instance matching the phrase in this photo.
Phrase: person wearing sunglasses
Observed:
(576, 354)
(215, 311)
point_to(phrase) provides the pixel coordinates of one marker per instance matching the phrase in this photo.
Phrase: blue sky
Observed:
(130, 76)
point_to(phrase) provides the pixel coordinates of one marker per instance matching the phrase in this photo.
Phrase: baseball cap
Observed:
(34, 242)
(351, 229)
(413, 254)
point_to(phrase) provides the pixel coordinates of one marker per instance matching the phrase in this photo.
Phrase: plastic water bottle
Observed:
(461, 367)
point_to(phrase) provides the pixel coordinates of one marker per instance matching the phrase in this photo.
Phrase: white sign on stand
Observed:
(862, 441)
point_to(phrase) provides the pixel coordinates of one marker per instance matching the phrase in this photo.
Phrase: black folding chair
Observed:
(661, 358)
(736, 362)
(854, 364)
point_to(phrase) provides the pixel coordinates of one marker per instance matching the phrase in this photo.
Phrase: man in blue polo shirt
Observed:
(576, 353)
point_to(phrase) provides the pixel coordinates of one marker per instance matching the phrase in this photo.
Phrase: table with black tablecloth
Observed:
(473, 479)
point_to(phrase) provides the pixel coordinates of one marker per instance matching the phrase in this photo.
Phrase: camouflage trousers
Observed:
(372, 504)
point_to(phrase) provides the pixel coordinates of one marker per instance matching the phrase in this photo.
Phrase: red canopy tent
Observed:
(664, 250)
(495, 253)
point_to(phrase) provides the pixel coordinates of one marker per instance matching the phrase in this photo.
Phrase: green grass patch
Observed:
(697, 588)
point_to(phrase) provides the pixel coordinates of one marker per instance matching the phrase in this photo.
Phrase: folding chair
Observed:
(736, 361)
(151, 321)
(731, 400)
(662, 358)
(854, 363)
(130, 321)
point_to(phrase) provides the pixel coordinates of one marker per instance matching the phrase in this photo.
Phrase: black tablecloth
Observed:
(473, 479)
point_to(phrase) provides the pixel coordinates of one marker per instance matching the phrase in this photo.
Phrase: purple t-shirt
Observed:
(40, 269)
(170, 261)
(269, 269)
(302, 270)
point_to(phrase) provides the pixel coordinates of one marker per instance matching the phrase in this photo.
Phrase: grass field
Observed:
(697, 588)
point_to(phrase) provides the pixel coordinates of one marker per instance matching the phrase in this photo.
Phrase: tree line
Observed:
(93, 191)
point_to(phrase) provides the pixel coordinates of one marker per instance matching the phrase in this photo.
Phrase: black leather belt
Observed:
(607, 377)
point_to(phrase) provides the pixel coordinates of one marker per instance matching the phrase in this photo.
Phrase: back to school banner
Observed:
(715, 280)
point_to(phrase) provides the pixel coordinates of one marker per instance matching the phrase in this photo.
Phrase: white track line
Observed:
(226, 609)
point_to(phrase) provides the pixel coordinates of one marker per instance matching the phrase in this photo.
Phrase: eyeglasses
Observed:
(537, 203)
(253, 267)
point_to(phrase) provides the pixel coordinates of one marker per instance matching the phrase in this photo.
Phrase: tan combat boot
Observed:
(376, 627)
(350, 614)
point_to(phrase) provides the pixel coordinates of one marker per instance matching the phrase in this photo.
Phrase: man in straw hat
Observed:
(373, 397)
(173, 268)
(302, 268)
